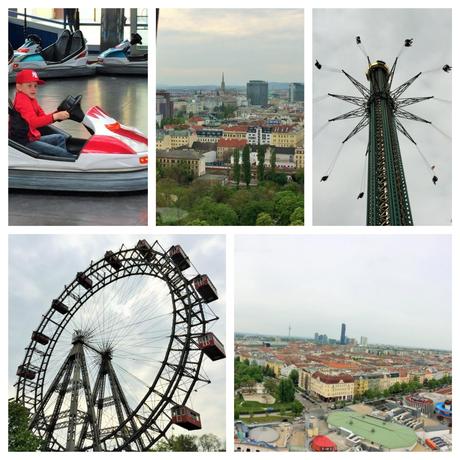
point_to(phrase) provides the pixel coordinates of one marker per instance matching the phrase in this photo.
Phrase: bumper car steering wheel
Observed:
(72, 105)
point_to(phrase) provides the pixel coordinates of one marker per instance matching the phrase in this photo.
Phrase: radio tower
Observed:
(381, 108)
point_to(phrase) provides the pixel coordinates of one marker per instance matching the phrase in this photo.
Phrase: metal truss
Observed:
(410, 116)
(400, 89)
(404, 102)
(361, 101)
(361, 125)
(359, 86)
(403, 130)
(357, 113)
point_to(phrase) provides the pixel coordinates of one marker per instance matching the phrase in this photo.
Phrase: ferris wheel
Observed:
(116, 356)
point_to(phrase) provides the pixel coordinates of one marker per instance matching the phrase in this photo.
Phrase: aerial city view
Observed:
(230, 117)
(346, 357)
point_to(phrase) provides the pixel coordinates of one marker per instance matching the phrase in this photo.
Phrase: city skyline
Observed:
(355, 282)
(369, 344)
(195, 46)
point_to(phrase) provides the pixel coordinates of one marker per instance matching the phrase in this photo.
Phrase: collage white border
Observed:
(230, 232)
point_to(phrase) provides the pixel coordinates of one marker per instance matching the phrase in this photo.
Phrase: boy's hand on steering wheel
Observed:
(59, 116)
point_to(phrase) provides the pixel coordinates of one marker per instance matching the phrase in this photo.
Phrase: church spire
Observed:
(222, 85)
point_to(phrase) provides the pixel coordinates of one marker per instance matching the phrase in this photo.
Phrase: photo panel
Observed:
(118, 343)
(77, 143)
(382, 116)
(349, 349)
(230, 117)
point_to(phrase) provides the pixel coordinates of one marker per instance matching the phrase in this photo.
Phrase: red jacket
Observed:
(31, 111)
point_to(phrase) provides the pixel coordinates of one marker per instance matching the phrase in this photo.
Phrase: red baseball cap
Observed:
(28, 76)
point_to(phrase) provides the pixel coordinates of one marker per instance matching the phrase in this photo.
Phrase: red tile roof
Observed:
(238, 129)
(231, 143)
(345, 378)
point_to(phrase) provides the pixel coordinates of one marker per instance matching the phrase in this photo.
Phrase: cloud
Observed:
(391, 289)
(196, 46)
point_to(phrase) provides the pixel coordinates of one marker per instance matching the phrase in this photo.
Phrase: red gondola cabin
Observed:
(84, 280)
(112, 260)
(205, 288)
(179, 257)
(25, 373)
(186, 418)
(59, 307)
(40, 338)
(211, 346)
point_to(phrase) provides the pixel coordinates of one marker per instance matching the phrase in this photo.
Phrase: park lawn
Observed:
(267, 418)
(245, 407)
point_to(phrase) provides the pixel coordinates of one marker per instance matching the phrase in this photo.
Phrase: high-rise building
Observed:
(296, 92)
(343, 338)
(257, 92)
(165, 106)
(363, 341)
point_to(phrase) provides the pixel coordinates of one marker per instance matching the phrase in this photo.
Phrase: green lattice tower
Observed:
(387, 196)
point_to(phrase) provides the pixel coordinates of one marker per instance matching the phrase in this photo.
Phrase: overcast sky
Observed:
(40, 266)
(391, 289)
(382, 33)
(195, 46)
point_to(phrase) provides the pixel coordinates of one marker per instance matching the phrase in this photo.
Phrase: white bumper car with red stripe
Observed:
(67, 57)
(113, 159)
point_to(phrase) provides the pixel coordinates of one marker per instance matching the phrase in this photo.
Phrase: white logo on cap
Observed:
(34, 74)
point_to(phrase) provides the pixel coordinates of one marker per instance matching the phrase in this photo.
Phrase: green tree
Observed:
(246, 165)
(285, 204)
(297, 216)
(286, 390)
(297, 407)
(260, 163)
(264, 218)
(271, 387)
(273, 160)
(236, 167)
(294, 376)
(162, 446)
(20, 438)
(209, 443)
(213, 213)
(183, 443)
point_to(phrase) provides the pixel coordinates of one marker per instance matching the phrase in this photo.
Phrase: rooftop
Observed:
(186, 154)
(231, 143)
(386, 434)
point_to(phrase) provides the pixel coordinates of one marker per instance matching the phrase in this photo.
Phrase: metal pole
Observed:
(133, 20)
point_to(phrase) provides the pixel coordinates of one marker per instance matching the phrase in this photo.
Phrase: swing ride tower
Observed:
(387, 197)
(381, 108)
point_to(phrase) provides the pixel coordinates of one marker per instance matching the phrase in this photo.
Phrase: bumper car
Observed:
(113, 159)
(67, 57)
(31, 45)
(122, 60)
